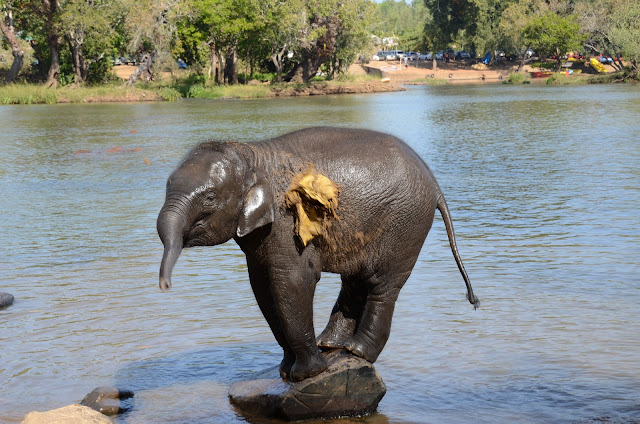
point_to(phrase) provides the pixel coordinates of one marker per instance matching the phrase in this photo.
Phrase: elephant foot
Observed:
(314, 366)
(362, 350)
(286, 364)
(330, 341)
(337, 332)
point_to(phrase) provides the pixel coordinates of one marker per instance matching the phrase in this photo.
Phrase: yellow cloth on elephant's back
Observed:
(313, 196)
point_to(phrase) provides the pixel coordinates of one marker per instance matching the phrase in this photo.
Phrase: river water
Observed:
(543, 187)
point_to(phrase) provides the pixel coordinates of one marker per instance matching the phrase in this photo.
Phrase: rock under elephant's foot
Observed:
(349, 387)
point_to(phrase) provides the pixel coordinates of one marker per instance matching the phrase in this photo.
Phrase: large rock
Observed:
(349, 387)
(72, 414)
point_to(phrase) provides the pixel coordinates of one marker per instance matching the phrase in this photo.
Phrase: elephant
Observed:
(354, 202)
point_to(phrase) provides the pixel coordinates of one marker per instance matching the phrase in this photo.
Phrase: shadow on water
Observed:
(192, 386)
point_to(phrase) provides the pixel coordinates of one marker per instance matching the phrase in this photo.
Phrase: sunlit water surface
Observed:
(543, 186)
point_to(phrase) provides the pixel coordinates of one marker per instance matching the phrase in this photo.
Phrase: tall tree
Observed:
(515, 18)
(46, 12)
(325, 22)
(151, 26)
(625, 30)
(487, 35)
(283, 22)
(8, 31)
(222, 24)
(88, 27)
(449, 18)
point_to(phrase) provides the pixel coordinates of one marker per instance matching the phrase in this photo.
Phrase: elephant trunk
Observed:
(171, 226)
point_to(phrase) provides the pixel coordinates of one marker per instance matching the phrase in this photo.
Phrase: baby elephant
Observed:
(349, 201)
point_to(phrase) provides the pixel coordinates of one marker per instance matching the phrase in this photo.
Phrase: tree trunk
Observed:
(79, 68)
(231, 67)
(434, 63)
(213, 72)
(17, 52)
(53, 42)
(143, 69)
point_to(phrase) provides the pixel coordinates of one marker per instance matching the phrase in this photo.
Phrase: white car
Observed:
(412, 55)
(424, 56)
(375, 57)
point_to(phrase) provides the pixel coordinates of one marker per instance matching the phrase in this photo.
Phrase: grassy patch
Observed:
(201, 91)
(27, 94)
(517, 78)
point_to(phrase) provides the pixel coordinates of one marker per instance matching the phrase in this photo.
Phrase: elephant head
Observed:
(214, 195)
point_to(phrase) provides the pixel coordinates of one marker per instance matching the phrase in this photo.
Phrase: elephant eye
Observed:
(210, 197)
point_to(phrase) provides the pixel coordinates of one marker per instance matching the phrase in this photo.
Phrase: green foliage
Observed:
(551, 34)
(516, 78)
(625, 30)
(403, 21)
(449, 19)
(26, 94)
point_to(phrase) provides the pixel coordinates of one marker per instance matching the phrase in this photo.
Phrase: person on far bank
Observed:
(406, 62)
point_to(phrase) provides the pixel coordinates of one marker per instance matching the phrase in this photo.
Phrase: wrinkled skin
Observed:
(387, 200)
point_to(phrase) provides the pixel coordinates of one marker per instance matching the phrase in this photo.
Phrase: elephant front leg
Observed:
(261, 286)
(346, 315)
(293, 291)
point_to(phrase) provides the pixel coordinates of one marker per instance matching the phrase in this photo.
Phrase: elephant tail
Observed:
(446, 216)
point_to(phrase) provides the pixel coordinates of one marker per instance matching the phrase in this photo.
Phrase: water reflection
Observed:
(542, 184)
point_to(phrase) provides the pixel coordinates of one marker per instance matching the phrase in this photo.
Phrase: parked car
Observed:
(412, 55)
(117, 61)
(424, 56)
(399, 54)
(440, 55)
(463, 55)
(375, 57)
(390, 56)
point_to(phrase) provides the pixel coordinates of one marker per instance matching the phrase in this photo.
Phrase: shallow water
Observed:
(542, 183)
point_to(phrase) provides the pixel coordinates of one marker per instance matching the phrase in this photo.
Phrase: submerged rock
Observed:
(106, 400)
(6, 299)
(72, 414)
(350, 386)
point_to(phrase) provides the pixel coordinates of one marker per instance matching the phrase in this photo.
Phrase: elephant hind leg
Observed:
(375, 326)
(345, 316)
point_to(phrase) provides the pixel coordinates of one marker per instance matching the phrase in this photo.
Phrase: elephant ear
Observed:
(258, 208)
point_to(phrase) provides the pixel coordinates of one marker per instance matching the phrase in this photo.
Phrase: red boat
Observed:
(541, 74)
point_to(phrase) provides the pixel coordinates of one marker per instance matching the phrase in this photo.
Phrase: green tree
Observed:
(449, 18)
(88, 28)
(488, 35)
(151, 27)
(402, 21)
(354, 37)
(551, 34)
(515, 18)
(40, 19)
(283, 24)
(625, 30)
(222, 26)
